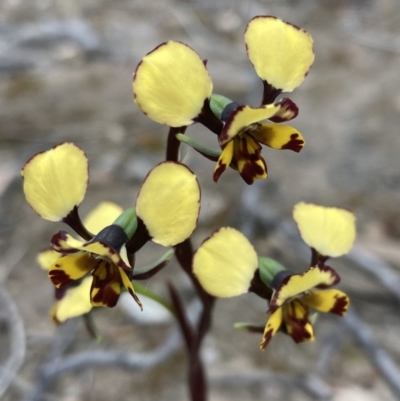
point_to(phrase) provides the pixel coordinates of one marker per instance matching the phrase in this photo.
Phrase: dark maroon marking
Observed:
(219, 170)
(250, 169)
(136, 298)
(59, 293)
(223, 137)
(286, 104)
(205, 61)
(106, 296)
(294, 144)
(56, 243)
(341, 305)
(299, 332)
(333, 273)
(266, 339)
(272, 305)
(58, 277)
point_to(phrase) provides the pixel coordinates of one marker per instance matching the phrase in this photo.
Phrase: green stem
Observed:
(144, 290)
(197, 146)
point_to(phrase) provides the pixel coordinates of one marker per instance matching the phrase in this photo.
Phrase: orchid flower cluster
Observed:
(172, 86)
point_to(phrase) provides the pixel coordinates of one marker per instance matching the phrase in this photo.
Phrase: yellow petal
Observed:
(64, 243)
(171, 84)
(225, 263)
(333, 301)
(272, 326)
(55, 181)
(46, 258)
(105, 252)
(281, 53)
(70, 268)
(103, 215)
(242, 119)
(279, 137)
(298, 326)
(76, 302)
(224, 160)
(129, 287)
(169, 203)
(329, 230)
(296, 284)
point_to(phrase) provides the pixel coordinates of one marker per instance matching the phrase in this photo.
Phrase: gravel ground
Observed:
(65, 75)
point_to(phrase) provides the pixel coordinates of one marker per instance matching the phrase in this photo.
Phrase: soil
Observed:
(65, 75)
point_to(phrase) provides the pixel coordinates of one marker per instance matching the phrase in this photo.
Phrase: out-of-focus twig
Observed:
(59, 365)
(312, 385)
(17, 340)
(102, 359)
(368, 36)
(258, 215)
(376, 354)
(376, 267)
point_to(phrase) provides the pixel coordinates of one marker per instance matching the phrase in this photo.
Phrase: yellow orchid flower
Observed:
(172, 86)
(167, 210)
(74, 300)
(227, 265)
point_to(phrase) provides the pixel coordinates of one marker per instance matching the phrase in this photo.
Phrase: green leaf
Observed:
(200, 148)
(144, 290)
(128, 221)
(269, 269)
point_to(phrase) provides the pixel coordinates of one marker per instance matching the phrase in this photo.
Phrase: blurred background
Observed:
(65, 75)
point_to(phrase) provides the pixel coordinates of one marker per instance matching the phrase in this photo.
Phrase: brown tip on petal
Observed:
(251, 170)
(266, 339)
(324, 268)
(341, 305)
(59, 278)
(57, 238)
(221, 167)
(288, 111)
(136, 298)
(294, 144)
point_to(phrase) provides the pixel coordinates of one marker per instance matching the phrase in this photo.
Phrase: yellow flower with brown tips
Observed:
(227, 265)
(167, 209)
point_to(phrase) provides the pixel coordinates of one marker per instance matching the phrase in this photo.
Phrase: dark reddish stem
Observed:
(173, 144)
(208, 119)
(316, 258)
(75, 222)
(139, 239)
(184, 254)
(270, 93)
(258, 287)
(197, 378)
